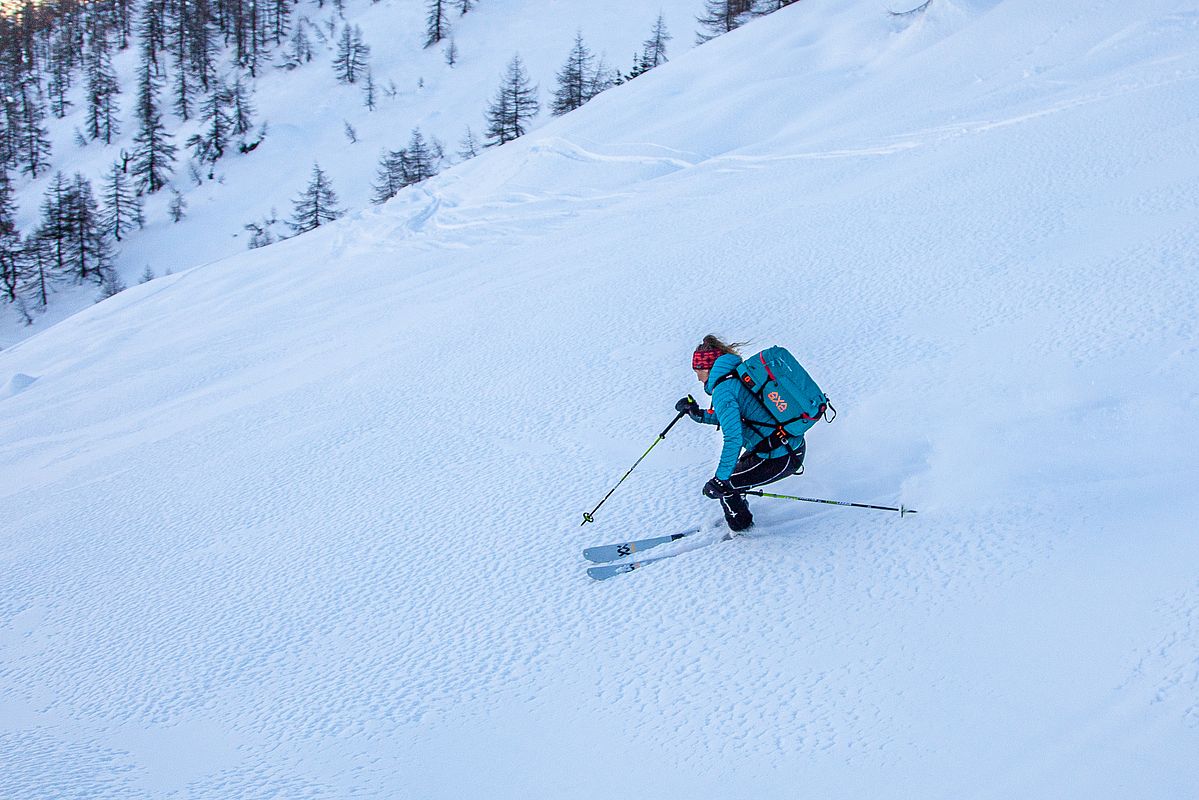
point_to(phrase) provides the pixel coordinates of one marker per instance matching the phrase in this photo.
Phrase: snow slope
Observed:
(304, 521)
(306, 112)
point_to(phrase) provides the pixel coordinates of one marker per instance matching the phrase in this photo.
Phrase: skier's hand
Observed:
(688, 406)
(716, 489)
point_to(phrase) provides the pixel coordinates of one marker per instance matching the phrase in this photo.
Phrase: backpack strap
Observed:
(776, 438)
(747, 381)
(778, 435)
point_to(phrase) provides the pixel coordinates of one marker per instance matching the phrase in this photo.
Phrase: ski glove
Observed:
(690, 407)
(716, 489)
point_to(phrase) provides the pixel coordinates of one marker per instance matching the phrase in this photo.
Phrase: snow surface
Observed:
(306, 112)
(304, 521)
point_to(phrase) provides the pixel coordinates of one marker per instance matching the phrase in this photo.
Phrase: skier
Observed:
(746, 424)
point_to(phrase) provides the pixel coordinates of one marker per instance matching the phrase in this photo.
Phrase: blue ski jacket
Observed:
(732, 404)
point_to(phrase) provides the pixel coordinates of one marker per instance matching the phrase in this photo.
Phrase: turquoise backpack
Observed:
(788, 393)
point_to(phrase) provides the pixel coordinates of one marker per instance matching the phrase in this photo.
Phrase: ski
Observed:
(605, 571)
(611, 552)
(602, 573)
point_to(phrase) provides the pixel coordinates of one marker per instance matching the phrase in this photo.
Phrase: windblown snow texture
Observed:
(304, 521)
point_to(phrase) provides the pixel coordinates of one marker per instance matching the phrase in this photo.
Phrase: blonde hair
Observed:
(710, 342)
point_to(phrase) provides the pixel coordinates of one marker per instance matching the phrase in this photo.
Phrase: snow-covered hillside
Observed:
(304, 521)
(306, 112)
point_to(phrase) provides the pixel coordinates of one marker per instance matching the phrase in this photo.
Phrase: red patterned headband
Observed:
(704, 359)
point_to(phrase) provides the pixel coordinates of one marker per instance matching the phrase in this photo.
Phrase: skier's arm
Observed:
(728, 416)
(688, 406)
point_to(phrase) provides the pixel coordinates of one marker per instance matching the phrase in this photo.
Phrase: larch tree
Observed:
(122, 205)
(352, 57)
(437, 22)
(575, 80)
(11, 254)
(514, 105)
(721, 16)
(153, 152)
(317, 206)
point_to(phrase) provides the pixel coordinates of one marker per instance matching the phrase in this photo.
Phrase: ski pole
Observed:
(588, 517)
(902, 511)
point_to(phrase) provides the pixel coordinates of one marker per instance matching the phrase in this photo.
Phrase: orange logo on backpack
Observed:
(778, 401)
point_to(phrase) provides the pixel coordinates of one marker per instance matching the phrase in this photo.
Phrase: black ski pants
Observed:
(752, 472)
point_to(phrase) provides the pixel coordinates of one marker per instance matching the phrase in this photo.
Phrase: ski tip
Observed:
(603, 573)
(593, 554)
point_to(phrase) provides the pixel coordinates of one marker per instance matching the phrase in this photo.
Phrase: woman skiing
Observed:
(770, 455)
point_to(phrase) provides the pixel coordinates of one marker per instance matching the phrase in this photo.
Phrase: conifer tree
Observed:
(653, 49)
(32, 140)
(299, 48)
(389, 177)
(369, 91)
(437, 23)
(722, 16)
(153, 31)
(420, 161)
(190, 40)
(465, 5)
(201, 47)
(246, 21)
(12, 270)
(110, 284)
(178, 207)
(352, 55)
(121, 21)
(437, 152)
(10, 134)
(58, 83)
(316, 206)
(90, 256)
(280, 19)
(153, 152)
(260, 235)
(498, 113)
(209, 144)
(602, 79)
(469, 147)
(241, 108)
(39, 277)
(183, 89)
(574, 79)
(102, 91)
(69, 237)
(122, 206)
(514, 105)
(52, 236)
